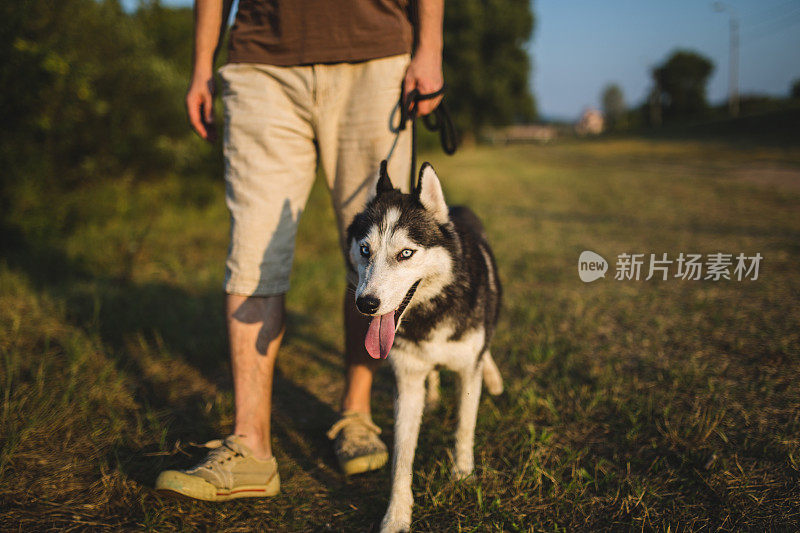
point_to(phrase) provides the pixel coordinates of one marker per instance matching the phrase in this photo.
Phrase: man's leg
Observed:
(270, 156)
(242, 465)
(351, 149)
(255, 329)
(270, 161)
(354, 135)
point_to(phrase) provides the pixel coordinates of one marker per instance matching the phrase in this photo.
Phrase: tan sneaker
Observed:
(357, 445)
(229, 471)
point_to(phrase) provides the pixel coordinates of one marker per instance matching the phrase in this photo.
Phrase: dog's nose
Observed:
(367, 304)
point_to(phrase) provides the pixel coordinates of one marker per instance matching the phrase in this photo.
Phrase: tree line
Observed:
(92, 91)
(678, 93)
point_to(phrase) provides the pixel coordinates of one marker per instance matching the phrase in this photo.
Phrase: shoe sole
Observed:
(178, 483)
(365, 463)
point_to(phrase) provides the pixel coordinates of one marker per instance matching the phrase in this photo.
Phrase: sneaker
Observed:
(229, 471)
(357, 445)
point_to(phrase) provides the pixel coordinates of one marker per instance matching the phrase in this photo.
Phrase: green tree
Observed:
(91, 91)
(795, 92)
(486, 63)
(613, 105)
(681, 83)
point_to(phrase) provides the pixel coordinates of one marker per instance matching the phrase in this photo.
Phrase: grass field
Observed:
(651, 405)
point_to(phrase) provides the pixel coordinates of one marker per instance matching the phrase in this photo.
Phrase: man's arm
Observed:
(210, 17)
(425, 70)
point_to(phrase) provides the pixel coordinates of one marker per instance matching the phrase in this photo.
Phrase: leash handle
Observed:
(409, 109)
(439, 120)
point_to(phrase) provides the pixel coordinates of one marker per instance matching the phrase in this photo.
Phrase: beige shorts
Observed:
(279, 123)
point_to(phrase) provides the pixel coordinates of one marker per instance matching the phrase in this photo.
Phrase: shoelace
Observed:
(220, 452)
(352, 419)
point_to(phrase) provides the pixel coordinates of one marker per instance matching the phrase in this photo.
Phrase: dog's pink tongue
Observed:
(380, 336)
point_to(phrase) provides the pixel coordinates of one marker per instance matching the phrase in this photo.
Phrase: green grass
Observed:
(658, 405)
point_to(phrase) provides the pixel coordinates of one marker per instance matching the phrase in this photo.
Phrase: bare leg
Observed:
(255, 330)
(359, 366)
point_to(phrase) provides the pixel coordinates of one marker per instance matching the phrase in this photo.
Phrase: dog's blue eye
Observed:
(365, 250)
(405, 254)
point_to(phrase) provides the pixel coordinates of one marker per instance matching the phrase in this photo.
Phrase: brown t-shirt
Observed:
(301, 32)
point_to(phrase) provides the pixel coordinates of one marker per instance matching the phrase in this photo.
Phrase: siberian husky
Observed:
(428, 279)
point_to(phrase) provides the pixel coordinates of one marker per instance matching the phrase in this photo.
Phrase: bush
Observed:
(91, 92)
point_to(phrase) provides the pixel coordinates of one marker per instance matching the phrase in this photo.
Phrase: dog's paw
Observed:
(398, 514)
(462, 471)
(390, 525)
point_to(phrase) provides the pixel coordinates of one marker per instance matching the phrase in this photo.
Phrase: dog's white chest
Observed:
(439, 350)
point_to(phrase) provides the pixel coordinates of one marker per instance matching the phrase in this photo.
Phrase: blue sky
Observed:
(581, 45)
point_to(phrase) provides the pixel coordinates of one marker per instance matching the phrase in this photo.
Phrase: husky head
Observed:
(400, 246)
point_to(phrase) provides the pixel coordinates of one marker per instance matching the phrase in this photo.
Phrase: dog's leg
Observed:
(471, 378)
(407, 415)
(432, 396)
(491, 375)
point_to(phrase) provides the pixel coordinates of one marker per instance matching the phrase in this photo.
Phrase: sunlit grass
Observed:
(628, 404)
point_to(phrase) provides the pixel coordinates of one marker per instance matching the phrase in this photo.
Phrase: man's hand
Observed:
(424, 73)
(209, 28)
(425, 70)
(200, 106)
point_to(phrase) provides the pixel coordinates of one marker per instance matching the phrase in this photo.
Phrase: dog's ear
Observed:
(430, 195)
(384, 183)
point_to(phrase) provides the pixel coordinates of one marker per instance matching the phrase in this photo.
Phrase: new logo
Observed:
(591, 266)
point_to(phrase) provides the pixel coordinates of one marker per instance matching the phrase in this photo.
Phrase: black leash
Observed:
(439, 119)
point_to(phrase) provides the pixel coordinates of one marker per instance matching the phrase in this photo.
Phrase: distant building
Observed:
(523, 133)
(591, 123)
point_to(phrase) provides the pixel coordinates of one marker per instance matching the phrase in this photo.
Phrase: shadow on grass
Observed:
(171, 345)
